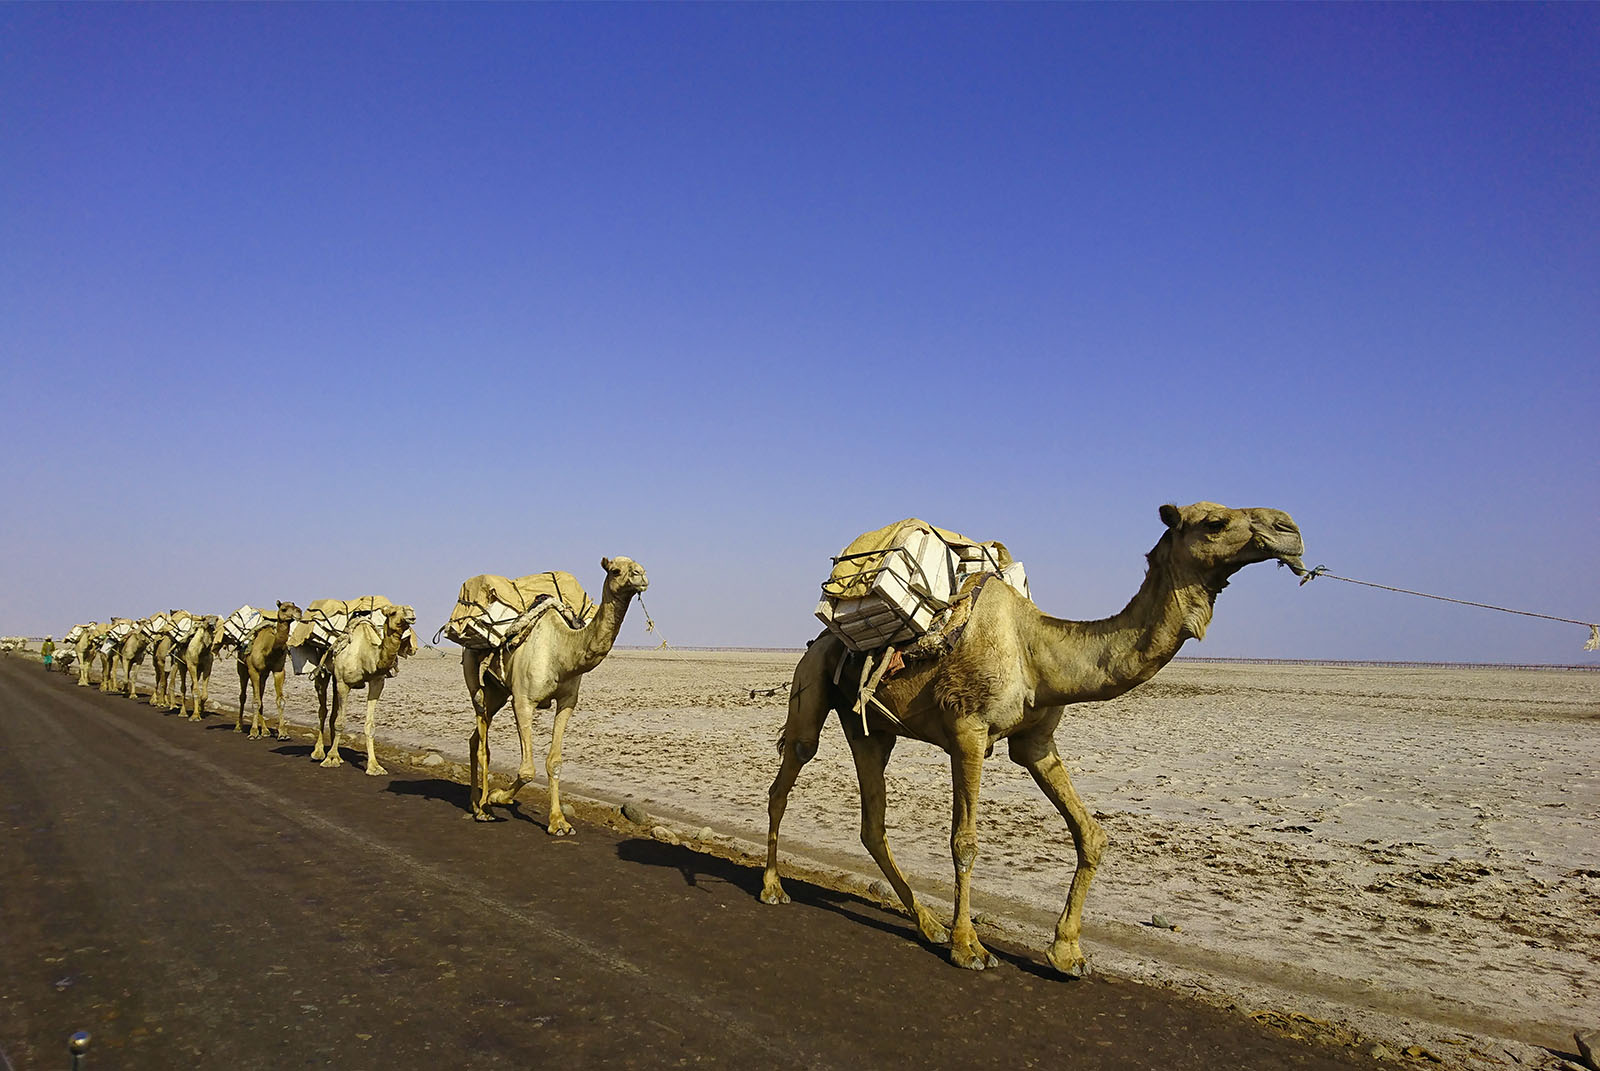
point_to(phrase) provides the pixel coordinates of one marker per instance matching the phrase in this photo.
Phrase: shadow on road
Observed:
(435, 788)
(695, 866)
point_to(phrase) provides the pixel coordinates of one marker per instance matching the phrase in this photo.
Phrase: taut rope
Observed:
(1309, 575)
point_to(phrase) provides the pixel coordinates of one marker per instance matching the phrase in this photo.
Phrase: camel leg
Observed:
(244, 695)
(374, 692)
(966, 770)
(557, 824)
(320, 679)
(479, 743)
(258, 719)
(871, 753)
(202, 686)
(1050, 774)
(277, 688)
(341, 695)
(522, 710)
(808, 709)
(478, 749)
(487, 700)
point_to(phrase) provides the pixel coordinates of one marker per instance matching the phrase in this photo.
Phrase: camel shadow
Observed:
(459, 797)
(691, 864)
(697, 866)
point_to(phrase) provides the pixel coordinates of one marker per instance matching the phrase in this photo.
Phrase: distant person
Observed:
(47, 650)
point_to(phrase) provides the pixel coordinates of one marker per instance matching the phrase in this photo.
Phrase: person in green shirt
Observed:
(48, 650)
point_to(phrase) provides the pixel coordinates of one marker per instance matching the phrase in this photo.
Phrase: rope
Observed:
(1594, 629)
(650, 626)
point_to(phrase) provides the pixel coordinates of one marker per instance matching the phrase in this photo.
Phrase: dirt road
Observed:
(194, 899)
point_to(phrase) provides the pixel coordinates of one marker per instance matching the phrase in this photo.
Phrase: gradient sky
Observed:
(321, 300)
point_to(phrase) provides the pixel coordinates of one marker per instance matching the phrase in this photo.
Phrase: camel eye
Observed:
(1215, 524)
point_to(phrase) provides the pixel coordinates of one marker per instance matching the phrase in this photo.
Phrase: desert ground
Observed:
(1406, 851)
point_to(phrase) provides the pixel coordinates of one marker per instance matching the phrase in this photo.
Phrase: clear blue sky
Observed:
(319, 300)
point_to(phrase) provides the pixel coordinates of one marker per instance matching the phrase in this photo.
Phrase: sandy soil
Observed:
(1408, 851)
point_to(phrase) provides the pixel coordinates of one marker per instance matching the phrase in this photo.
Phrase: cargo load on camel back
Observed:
(117, 632)
(326, 620)
(494, 612)
(899, 583)
(239, 626)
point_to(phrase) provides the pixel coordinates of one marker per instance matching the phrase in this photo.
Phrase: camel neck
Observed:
(1095, 660)
(389, 648)
(601, 633)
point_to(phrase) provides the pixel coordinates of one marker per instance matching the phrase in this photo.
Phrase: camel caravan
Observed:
(928, 635)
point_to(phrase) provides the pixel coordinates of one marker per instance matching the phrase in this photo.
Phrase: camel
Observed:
(1009, 676)
(544, 669)
(106, 651)
(129, 653)
(192, 658)
(161, 644)
(83, 646)
(309, 644)
(261, 655)
(363, 657)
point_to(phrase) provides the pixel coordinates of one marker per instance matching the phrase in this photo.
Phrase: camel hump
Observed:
(241, 623)
(894, 584)
(492, 610)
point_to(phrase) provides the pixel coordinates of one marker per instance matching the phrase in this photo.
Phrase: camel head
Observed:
(1214, 542)
(288, 611)
(624, 577)
(405, 622)
(396, 619)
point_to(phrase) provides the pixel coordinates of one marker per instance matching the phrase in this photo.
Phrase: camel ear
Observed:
(605, 563)
(1170, 515)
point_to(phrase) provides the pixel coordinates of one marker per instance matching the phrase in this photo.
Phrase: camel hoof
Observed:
(285, 736)
(1069, 961)
(331, 761)
(934, 931)
(563, 830)
(774, 894)
(974, 958)
(482, 816)
(374, 770)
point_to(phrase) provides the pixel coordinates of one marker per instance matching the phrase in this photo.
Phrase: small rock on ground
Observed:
(662, 833)
(568, 811)
(433, 759)
(635, 814)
